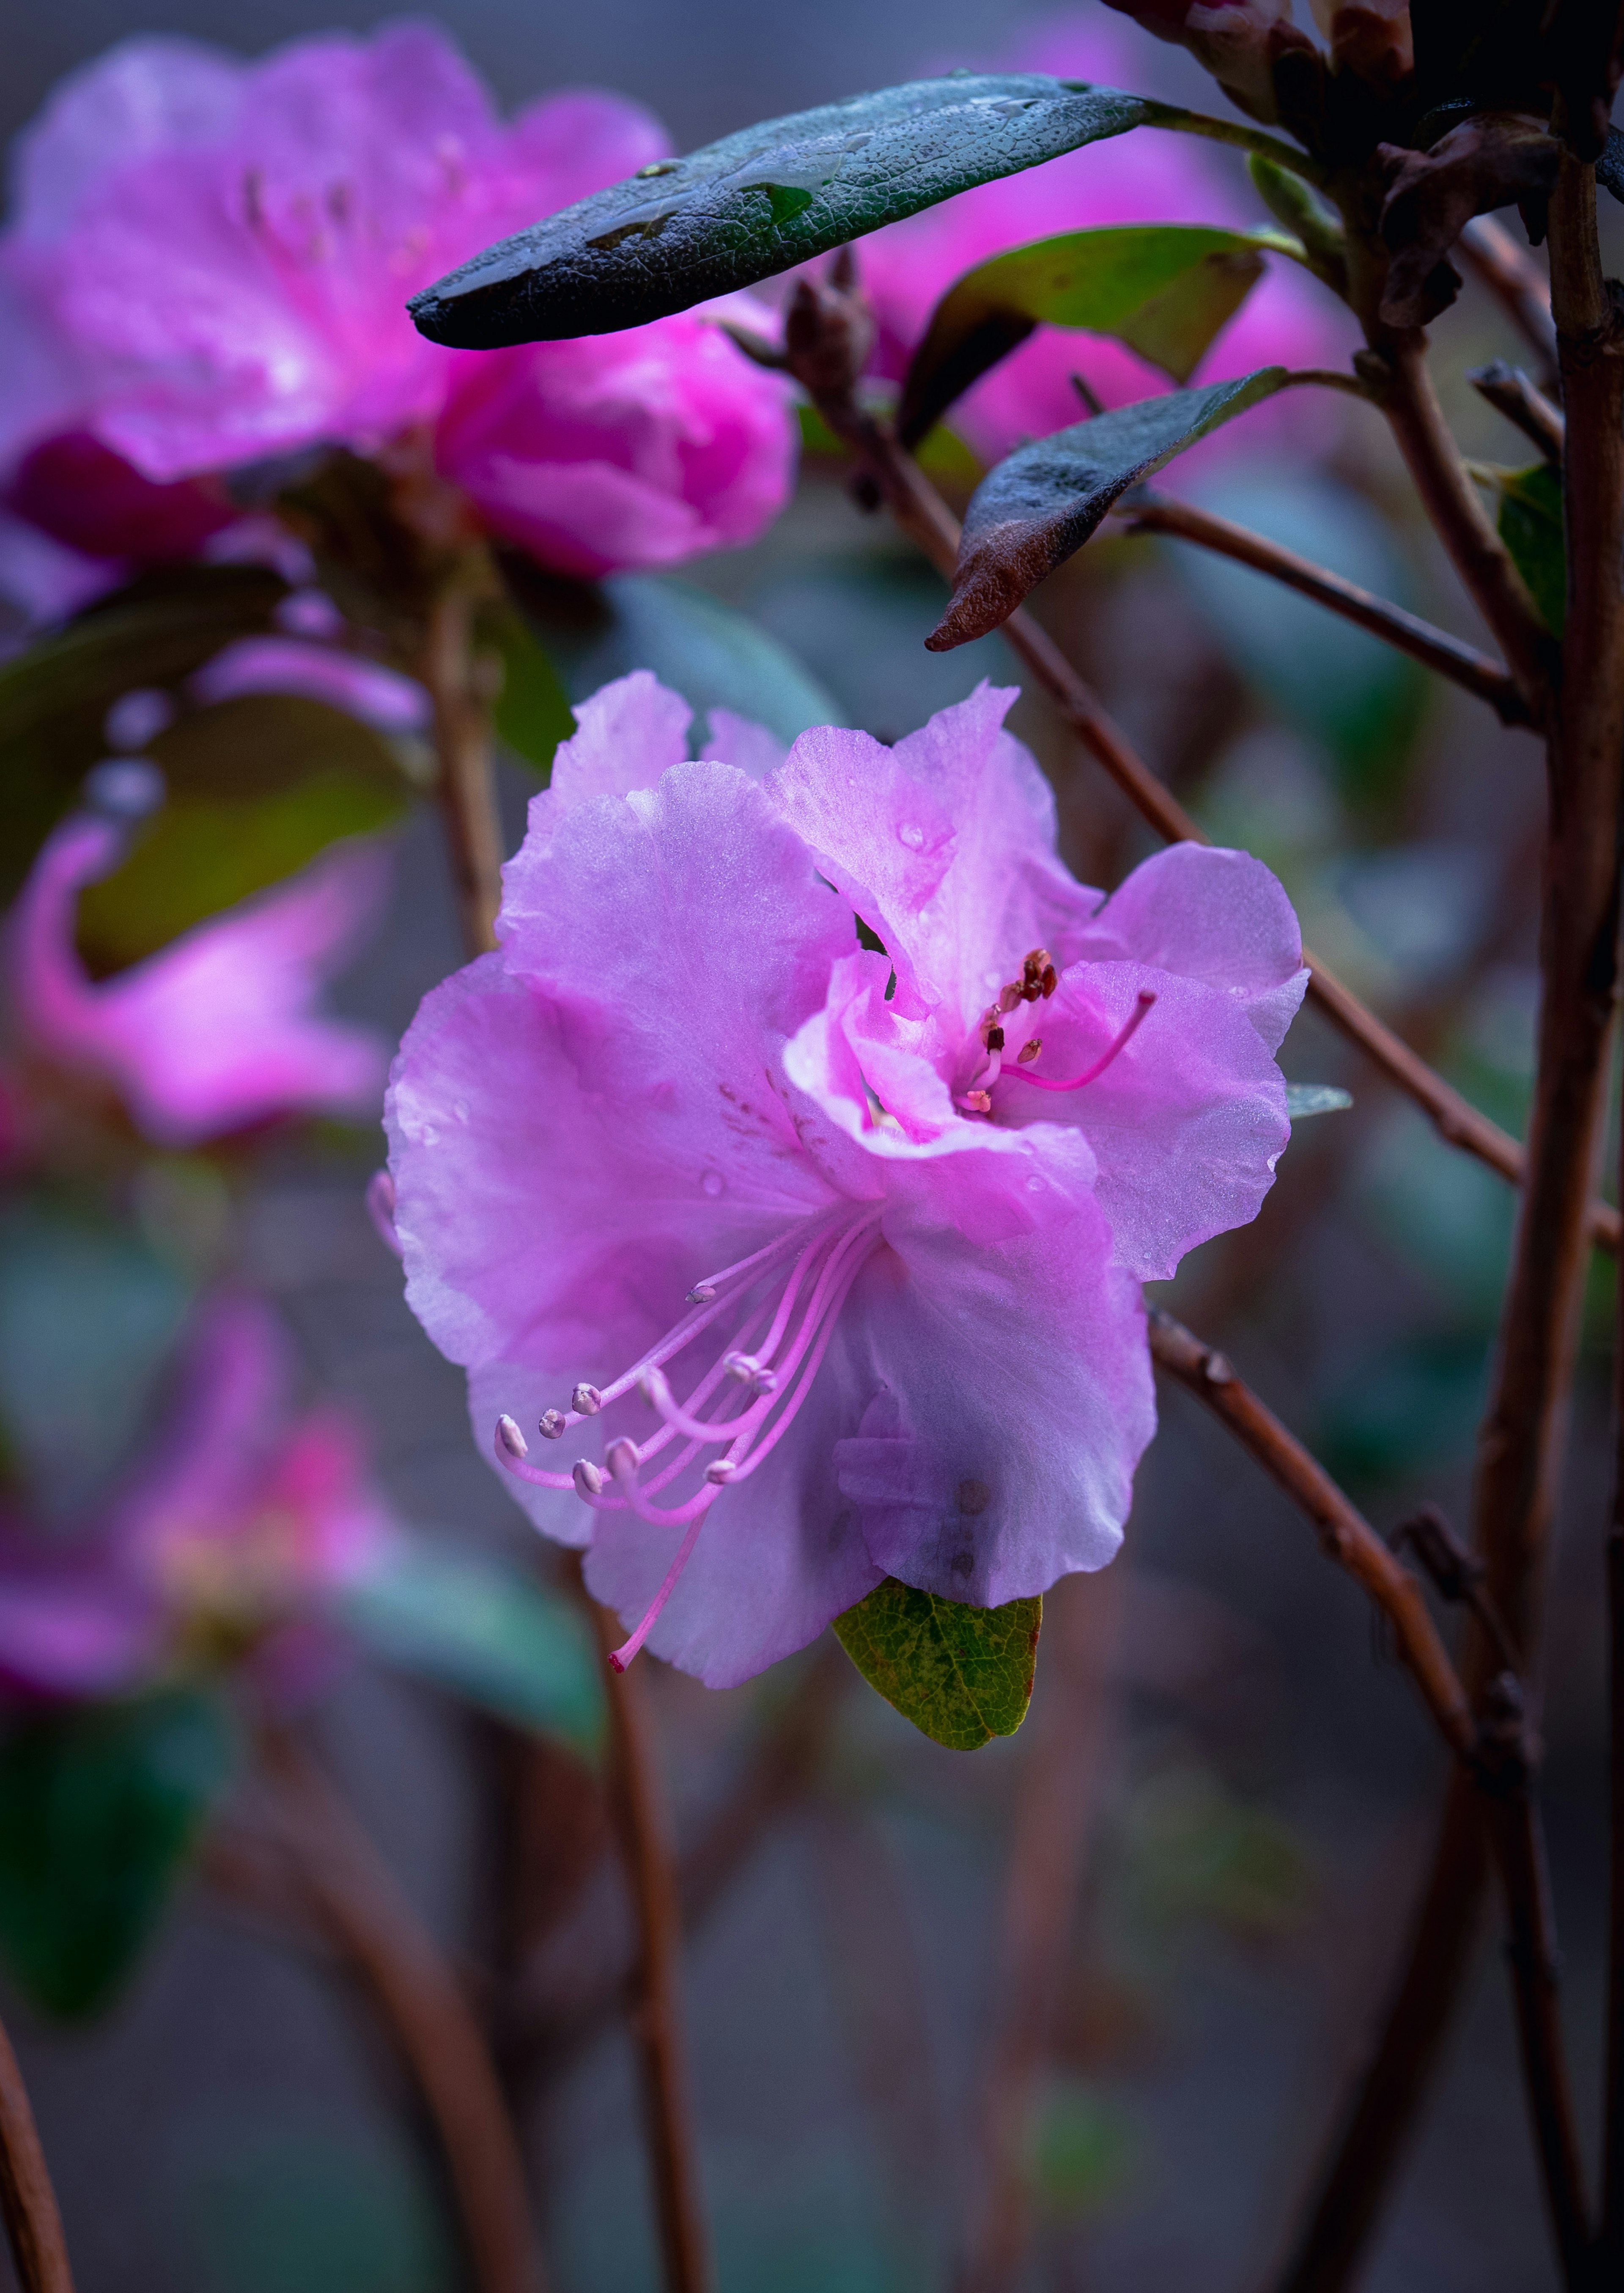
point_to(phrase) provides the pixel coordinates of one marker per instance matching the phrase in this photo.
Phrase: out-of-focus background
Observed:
(1255, 1774)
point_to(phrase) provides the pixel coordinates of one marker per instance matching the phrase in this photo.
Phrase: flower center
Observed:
(1037, 982)
(778, 1309)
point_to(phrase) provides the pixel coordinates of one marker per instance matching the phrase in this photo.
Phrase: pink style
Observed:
(219, 1029)
(223, 1542)
(810, 1217)
(1287, 320)
(210, 264)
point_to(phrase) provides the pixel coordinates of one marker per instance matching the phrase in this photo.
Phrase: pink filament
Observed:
(1118, 1043)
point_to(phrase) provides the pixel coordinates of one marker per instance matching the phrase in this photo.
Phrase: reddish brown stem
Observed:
(1462, 664)
(1612, 2133)
(657, 2009)
(1517, 284)
(359, 1903)
(467, 787)
(1058, 1791)
(33, 2225)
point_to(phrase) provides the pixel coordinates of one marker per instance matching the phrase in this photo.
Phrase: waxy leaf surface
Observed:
(962, 1676)
(762, 200)
(1165, 289)
(1038, 508)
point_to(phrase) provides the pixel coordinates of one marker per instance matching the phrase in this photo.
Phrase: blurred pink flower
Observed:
(379, 696)
(219, 1029)
(924, 1351)
(223, 1542)
(1148, 176)
(210, 266)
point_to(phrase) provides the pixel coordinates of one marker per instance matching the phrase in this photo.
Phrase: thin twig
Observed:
(930, 525)
(1611, 2253)
(33, 2225)
(448, 670)
(359, 1902)
(1510, 392)
(1497, 1755)
(656, 2016)
(1518, 284)
(1449, 656)
(1521, 1441)
(1056, 1796)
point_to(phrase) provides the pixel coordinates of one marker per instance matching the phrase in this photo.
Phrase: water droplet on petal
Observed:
(711, 1183)
(912, 834)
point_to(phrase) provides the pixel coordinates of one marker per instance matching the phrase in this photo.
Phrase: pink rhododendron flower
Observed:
(219, 1029)
(211, 262)
(1287, 320)
(224, 1539)
(823, 1262)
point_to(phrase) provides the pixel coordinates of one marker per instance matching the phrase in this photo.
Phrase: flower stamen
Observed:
(1142, 1004)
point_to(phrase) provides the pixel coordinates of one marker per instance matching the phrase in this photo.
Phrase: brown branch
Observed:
(1395, 367)
(930, 525)
(656, 2012)
(1510, 392)
(448, 672)
(1462, 663)
(1523, 1439)
(33, 2225)
(1611, 2253)
(1063, 1756)
(360, 1904)
(1517, 283)
(1498, 1757)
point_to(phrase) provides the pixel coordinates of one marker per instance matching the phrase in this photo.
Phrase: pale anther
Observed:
(508, 1434)
(586, 1400)
(702, 1293)
(587, 1477)
(720, 1471)
(623, 1458)
(1030, 1050)
(551, 1427)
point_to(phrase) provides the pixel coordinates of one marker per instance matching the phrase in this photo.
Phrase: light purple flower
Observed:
(379, 696)
(776, 1232)
(222, 1541)
(219, 1029)
(211, 262)
(1289, 319)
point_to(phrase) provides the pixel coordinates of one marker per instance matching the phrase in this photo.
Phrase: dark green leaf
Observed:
(478, 1626)
(1165, 289)
(715, 657)
(532, 709)
(1038, 508)
(259, 786)
(962, 1676)
(88, 1316)
(1531, 523)
(98, 1810)
(762, 200)
(54, 695)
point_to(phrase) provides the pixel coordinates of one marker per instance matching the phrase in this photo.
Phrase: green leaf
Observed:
(99, 1809)
(1165, 289)
(89, 1315)
(259, 786)
(1305, 1098)
(962, 1676)
(1530, 525)
(1038, 508)
(1080, 2147)
(715, 657)
(532, 709)
(480, 1627)
(762, 200)
(54, 695)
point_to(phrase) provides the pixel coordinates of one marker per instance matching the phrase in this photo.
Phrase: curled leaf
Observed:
(1038, 508)
(1165, 289)
(761, 201)
(1494, 159)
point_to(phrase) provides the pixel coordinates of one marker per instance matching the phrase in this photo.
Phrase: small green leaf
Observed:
(478, 1626)
(99, 1809)
(1306, 1098)
(962, 1676)
(1081, 2148)
(1165, 289)
(532, 709)
(1530, 525)
(1038, 508)
(761, 201)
